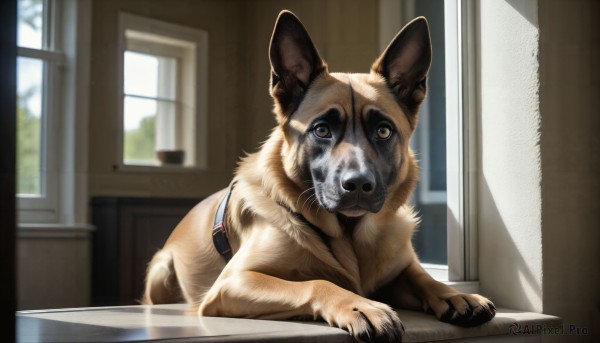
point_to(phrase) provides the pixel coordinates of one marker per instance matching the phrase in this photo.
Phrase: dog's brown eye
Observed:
(322, 131)
(384, 132)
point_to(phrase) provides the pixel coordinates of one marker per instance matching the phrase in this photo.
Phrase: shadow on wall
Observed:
(504, 273)
(526, 10)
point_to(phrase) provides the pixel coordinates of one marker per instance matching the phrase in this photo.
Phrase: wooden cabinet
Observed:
(128, 232)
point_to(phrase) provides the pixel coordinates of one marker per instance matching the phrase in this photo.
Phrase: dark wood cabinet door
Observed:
(128, 232)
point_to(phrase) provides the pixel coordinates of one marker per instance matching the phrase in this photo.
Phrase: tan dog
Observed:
(317, 220)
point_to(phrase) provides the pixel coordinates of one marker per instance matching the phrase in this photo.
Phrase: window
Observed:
(150, 107)
(443, 141)
(52, 80)
(37, 75)
(429, 140)
(163, 94)
(429, 143)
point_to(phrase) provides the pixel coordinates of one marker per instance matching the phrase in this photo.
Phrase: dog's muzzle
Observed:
(353, 193)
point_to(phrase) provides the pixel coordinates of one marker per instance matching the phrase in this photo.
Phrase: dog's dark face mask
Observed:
(347, 133)
(352, 158)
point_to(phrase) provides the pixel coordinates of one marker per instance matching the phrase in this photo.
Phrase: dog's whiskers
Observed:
(306, 199)
(301, 194)
(314, 200)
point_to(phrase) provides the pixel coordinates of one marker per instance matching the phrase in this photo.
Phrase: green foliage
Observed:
(28, 149)
(140, 143)
(30, 12)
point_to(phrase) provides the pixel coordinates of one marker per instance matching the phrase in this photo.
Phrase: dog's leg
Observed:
(256, 295)
(161, 281)
(415, 285)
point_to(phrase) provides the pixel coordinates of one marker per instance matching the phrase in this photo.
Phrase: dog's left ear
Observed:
(405, 63)
(295, 62)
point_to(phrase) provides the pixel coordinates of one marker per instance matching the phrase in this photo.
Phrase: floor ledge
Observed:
(173, 323)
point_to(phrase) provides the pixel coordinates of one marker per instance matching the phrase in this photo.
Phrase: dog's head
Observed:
(346, 135)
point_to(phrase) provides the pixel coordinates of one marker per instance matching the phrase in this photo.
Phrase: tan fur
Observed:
(281, 268)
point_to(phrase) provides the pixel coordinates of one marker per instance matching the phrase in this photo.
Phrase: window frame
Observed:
(67, 129)
(45, 207)
(194, 39)
(461, 140)
(156, 50)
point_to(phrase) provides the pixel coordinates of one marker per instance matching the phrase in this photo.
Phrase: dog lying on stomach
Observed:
(316, 223)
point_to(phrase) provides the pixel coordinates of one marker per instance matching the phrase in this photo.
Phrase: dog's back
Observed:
(187, 266)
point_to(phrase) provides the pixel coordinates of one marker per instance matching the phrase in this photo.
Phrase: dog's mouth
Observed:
(348, 206)
(354, 211)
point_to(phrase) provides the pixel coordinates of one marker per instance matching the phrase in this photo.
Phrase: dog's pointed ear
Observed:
(405, 63)
(295, 62)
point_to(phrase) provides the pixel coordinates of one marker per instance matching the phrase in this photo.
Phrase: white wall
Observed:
(539, 208)
(509, 213)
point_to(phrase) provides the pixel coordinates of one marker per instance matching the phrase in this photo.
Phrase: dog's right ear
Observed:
(295, 62)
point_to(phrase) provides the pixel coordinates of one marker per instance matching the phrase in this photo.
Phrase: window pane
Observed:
(29, 125)
(149, 124)
(139, 125)
(30, 23)
(167, 77)
(141, 74)
(430, 240)
(150, 75)
(166, 126)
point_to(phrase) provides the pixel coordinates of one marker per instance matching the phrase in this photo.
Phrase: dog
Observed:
(316, 224)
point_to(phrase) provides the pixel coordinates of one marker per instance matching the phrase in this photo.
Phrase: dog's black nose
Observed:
(354, 180)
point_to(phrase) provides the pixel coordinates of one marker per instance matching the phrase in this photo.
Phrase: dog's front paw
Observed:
(465, 309)
(367, 321)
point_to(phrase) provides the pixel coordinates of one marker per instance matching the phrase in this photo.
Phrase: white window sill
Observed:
(440, 273)
(166, 323)
(27, 230)
(158, 168)
(437, 271)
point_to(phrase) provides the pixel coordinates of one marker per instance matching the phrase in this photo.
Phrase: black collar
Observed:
(219, 231)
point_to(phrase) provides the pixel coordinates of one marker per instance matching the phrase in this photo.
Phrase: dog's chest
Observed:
(343, 252)
(371, 262)
(365, 267)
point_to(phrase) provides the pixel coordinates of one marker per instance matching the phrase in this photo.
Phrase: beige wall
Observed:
(239, 116)
(570, 143)
(53, 267)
